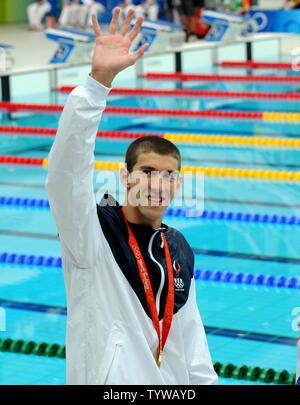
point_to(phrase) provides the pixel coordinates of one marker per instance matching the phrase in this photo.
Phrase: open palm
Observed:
(111, 54)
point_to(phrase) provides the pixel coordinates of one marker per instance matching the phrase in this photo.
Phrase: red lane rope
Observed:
(13, 107)
(188, 76)
(52, 131)
(21, 160)
(28, 130)
(194, 93)
(256, 65)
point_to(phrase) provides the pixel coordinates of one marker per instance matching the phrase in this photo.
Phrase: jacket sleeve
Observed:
(200, 366)
(69, 183)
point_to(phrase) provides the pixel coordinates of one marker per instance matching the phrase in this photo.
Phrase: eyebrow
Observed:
(153, 168)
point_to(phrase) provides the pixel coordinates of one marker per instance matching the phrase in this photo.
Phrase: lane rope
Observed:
(290, 117)
(278, 175)
(216, 77)
(186, 213)
(256, 65)
(194, 93)
(224, 370)
(216, 276)
(31, 347)
(175, 137)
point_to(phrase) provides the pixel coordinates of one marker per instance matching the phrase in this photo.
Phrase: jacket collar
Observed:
(142, 232)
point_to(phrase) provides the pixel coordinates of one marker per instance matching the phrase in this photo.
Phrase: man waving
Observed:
(132, 312)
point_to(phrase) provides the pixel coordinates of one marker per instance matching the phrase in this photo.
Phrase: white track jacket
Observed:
(110, 337)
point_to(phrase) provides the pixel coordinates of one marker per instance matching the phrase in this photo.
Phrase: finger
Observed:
(114, 21)
(96, 26)
(127, 22)
(135, 30)
(140, 52)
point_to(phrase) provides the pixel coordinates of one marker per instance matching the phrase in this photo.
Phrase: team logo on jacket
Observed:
(178, 282)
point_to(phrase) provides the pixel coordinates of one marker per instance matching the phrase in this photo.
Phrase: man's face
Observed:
(152, 184)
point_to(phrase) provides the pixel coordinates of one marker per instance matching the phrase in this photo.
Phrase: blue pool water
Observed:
(246, 324)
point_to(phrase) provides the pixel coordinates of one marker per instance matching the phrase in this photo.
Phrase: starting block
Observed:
(225, 26)
(160, 35)
(6, 57)
(78, 46)
(73, 45)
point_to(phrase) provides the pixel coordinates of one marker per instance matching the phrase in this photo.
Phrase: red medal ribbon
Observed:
(169, 308)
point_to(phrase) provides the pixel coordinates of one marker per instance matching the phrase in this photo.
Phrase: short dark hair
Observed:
(150, 143)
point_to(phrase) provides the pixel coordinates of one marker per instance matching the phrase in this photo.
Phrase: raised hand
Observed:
(111, 54)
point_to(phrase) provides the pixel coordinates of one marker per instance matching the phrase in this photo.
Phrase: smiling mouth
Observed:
(155, 201)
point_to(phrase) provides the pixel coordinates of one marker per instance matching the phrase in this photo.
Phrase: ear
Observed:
(124, 173)
(178, 184)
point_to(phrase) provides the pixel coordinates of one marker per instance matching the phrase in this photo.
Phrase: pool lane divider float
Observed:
(280, 175)
(186, 213)
(225, 370)
(254, 373)
(267, 280)
(267, 116)
(216, 276)
(195, 93)
(31, 347)
(216, 77)
(175, 137)
(249, 64)
(31, 260)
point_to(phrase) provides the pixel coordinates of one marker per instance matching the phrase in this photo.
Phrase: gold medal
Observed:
(169, 307)
(159, 358)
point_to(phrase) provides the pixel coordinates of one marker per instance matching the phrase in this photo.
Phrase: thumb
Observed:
(140, 52)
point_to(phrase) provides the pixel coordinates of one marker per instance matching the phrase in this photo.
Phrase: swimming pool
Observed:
(246, 245)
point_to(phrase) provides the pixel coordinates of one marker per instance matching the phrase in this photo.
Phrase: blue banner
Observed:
(275, 21)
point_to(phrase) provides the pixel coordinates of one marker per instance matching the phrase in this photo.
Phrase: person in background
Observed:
(244, 8)
(173, 11)
(189, 19)
(36, 12)
(238, 6)
(88, 8)
(148, 9)
(124, 7)
(139, 9)
(290, 5)
(69, 16)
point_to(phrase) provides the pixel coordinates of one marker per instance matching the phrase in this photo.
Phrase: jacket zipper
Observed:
(162, 279)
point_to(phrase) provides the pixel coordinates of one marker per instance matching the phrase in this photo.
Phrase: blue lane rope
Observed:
(176, 212)
(199, 274)
(233, 216)
(24, 202)
(247, 278)
(34, 260)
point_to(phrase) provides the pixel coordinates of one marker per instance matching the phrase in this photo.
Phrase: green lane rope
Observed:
(254, 373)
(31, 347)
(226, 370)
